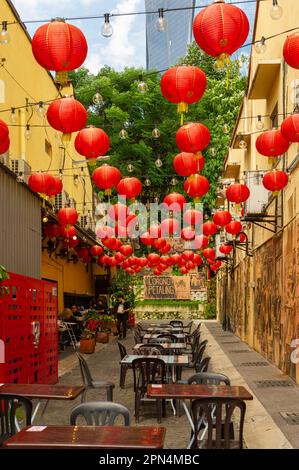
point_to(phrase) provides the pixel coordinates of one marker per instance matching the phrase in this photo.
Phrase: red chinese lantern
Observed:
(4, 145)
(4, 131)
(186, 164)
(68, 231)
(169, 227)
(200, 242)
(275, 181)
(188, 234)
(196, 186)
(52, 231)
(291, 50)
(272, 143)
(118, 212)
(188, 255)
(183, 85)
(209, 253)
(143, 262)
(176, 258)
(112, 243)
(220, 30)
(238, 193)
(96, 251)
(157, 272)
(106, 177)
(209, 229)
(193, 138)
(153, 259)
(225, 249)
(104, 231)
(82, 253)
(197, 260)
(290, 128)
(129, 188)
(242, 238)
(166, 249)
(56, 186)
(222, 218)
(234, 227)
(41, 183)
(216, 266)
(193, 217)
(92, 142)
(159, 243)
(184, 271)
(67, 115)
(146, 239)
(60, 47)
(126, 250)
(155, 231)
(67, 216)
(175, 202)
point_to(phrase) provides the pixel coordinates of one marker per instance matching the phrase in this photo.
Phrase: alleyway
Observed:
(265, 427)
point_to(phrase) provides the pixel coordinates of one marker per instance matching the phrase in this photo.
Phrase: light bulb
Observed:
(58, 135)
(107, 29)
(156, 133)
(142, 86)
(40, 110)
(97, 98)
(147, 182)
(226, 129)
(130, 168)
(276, 11)
(123, 134)
(158, 163)
(4, 35)
(75, 237)
(174, 182)
(242, 144)
(260, 46)
(259, 124)
(161, 24)
(13, 116)
(45, 219)
(213, 152)
(27, 132)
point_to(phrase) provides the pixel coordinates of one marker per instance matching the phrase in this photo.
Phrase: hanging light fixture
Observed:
(123, 134)
(260, 46)
(161, 24)
(130, 168)
(226, 129)
(276, 10)
(13, 116)
(40, 110)
(259, 124)
(4, 35)
(159, 163)
(107, 29)
(142, 85)
(213, 151)
(147, 182)
(156, 133)
(174, 181)
(27, 132)
(97, 98)
(242, 143)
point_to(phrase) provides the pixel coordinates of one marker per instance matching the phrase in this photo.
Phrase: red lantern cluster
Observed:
(45, 184)
(234, 227)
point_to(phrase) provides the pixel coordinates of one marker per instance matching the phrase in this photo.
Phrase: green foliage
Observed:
(140, 113)
(124, 284)
(192, 304)
(4, 276)
(210, 311)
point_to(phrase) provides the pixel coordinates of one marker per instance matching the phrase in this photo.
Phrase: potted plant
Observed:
(4, 276)
(114, 326)
(104, 329)
(87, 342)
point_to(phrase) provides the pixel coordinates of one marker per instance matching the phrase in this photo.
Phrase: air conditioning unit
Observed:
(84, 221)
(220, 239)
(257, 203)
(61, 200)
(5, 160)
(21, 168)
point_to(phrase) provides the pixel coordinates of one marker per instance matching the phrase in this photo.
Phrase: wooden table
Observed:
(181, 337)
(88, 437)
(191, 392)
(42, 392)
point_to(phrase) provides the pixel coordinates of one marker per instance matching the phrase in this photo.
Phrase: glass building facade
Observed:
(165, 49)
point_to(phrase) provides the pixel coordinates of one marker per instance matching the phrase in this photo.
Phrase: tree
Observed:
(125, 107)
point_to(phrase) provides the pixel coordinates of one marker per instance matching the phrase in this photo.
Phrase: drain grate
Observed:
(238, 351)
(273, 383)
(290, 417)
(254, 364)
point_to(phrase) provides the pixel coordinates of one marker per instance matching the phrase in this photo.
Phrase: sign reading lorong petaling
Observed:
(167, 287)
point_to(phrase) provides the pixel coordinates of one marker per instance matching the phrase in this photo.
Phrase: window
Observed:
(274, 117)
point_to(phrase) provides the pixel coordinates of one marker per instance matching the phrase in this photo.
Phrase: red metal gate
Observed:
(28, 329)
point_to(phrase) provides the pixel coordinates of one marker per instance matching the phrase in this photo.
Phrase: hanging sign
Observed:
(167, 287)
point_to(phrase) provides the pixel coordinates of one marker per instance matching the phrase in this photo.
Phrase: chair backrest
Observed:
(178, 323)
(148, 371)
(10, 407)
(150, 350)
(198, 354)
(207, 378)
(203, 366)
(169, 338)
(100, 413)
(85, 372)
(122, 350)
(158, 340)
(137, 338)
(217, 413)
(187, 328)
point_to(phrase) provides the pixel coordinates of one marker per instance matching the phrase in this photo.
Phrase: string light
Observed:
(27, 132)
(76, 180)
(161, 24)
(130, 168)
(259, 124)
(213, 151)
(174, 181)
(226, 129)
(156, 133)
(97, 98)
(41, 112)
(142, 86)
(276, 11)
(147, 182)
(123, 134)
(159, 163)
(260, 46)
(242, 144)
(107, 29)
(13, 116)
(4, 35)
(45, 219)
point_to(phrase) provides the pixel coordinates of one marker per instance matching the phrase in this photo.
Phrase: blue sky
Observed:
(127, 45)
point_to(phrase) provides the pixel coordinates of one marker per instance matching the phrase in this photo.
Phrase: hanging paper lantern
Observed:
(234, 227)
(56, 186)
(176, 258)
(220, 30)
(60, 47)
(104, 231)
(272, 143)
(112, 243)
(200, 242)
(186, 164)
(193, 217)
(242, 238)
(96, 251)
(291, 50)
(196, 186)
(209, 253)
(41, 183)
(216, 266)
(275, 181)
(129, 188)
(153, 259)
(159, 243)
(222, 218)
(126, 250)
(67, 115)
(183, 85)
(67, 216)
(166, 249)
(92, 142)
(174, 202)
(4, 131)
(146, 239)
(68, 231)
(187, 234)
(52, 231)
(238, 193)
(118, 212)
(184, 271)
(290, 128)
(106, 177)
(193, 138)
(155, 231)
(4, 145)
(188, 255)
(169, 227)
(225, 249)
(197, 260)
(209, 229)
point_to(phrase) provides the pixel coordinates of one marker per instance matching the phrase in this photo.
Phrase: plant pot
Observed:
(87, 346)
(114, 330)
(103, 337)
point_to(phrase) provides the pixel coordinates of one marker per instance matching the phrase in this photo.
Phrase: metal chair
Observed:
(100, 413)
(150, 350)
(212, 421)
(89, 382)
(203, 366)
(196, 331)
(10, 406)
(137, 338)
(187, 328)
(168, 338)
(148, 371)
(198, 354)
(177, 323)
(123, 367)
(207, 378)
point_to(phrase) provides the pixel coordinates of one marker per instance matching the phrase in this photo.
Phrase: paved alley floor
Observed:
(265, 426)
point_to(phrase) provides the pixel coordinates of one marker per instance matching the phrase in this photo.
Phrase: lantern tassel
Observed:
(61, 78)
